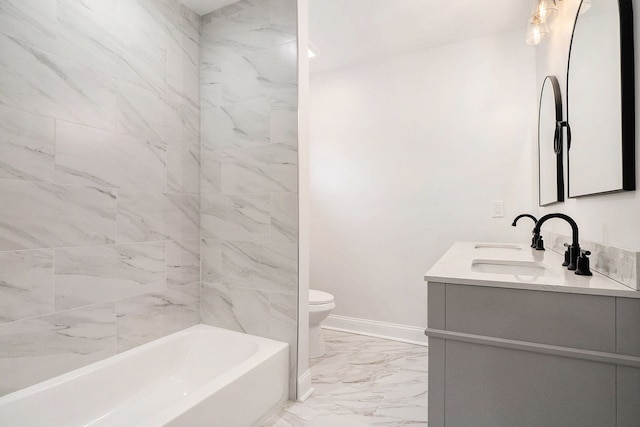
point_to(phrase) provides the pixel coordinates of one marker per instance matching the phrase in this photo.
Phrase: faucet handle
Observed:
(567, 255)
(583, 264)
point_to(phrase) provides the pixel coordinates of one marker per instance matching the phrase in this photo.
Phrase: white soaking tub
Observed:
(201, 376)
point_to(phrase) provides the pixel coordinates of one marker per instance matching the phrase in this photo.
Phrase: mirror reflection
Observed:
(600, 100)
(551, 176)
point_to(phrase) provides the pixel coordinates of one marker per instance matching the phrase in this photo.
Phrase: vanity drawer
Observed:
(554, 318)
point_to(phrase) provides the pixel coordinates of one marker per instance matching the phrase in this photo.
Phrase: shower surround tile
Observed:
(100, 171)
(87, 156)
(94, 33)
(237, 309)
(144, 216)
(36, 349)
(31, 21)
(284, 217)
(142, 112)
(26, 284)
(183, 167)
(41, 215)
(238, 218)
(211, 261)
(248, 185)
(85, 276)
(267, 169)
(28, 146)
(211, 173)
(147, 317)
(54, 86)
(271, 267)
(182, 262)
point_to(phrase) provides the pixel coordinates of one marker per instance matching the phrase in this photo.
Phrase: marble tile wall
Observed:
(621, 265)
(99, 180)
(249, 194)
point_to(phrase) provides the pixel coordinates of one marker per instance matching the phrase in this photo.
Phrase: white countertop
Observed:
(455, 266)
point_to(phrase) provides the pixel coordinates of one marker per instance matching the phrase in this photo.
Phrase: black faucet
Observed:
(536, 236)
(574, 249)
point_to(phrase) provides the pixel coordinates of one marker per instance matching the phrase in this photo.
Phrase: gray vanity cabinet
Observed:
(512, 357)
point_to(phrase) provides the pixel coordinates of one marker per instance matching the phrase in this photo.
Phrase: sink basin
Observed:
(497, 246)
(514, 268)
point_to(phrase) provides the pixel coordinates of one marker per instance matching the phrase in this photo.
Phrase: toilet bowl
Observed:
(320, 305)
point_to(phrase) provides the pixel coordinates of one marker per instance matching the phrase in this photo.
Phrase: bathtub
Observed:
(201, 376)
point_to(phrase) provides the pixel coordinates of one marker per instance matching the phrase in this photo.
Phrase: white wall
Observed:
(406, 154)
(610, 219)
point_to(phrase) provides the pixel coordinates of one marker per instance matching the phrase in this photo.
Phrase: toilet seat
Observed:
(319, 297)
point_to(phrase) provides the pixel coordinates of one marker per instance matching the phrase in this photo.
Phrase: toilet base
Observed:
(316, 342)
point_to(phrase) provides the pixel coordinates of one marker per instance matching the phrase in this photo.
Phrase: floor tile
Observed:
(362, 381)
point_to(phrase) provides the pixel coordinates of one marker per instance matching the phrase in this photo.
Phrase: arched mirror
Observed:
(600, 100)
(550, 170)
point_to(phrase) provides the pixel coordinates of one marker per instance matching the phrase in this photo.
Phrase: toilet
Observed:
(320, 305)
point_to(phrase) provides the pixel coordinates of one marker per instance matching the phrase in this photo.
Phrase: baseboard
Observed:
(304, 386)
(374, 328)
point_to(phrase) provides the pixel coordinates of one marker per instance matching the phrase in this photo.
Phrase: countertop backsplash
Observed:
(621, 265)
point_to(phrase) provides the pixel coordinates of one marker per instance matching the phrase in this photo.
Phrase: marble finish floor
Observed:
(362, 381)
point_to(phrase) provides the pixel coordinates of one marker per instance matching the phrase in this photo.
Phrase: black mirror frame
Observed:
(557, 141)
(627, 95)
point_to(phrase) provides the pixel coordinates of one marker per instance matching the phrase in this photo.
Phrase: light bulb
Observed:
(546, 10)
(537, 32)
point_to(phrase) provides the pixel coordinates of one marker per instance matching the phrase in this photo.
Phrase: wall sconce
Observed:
(538, 28)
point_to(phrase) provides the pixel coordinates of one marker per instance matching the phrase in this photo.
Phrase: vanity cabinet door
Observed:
(628, 384)
(491, 387)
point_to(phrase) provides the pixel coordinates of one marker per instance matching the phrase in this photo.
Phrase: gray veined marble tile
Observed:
(26, 284)
(230, 65)
(266, 169)
(284, 125)
(248, 23)
(183, 116)
(183, 67)
(220, 132)
(147, 317)
(32, 21)
(211, 261)
(87, 156)
(284, 14)
(277, 65)
(37, 349)
(183, 169)
(43, 83)
(41, 215)
(141, 112)
(146, 216)
(283, 326)
(271, 267)
(183, 262)
(96, 34)
(210, 96)
(250, 120)
(28, 144)
(85, 276)
(211, 172)
(249, 11)
(106, 8)
(284, 217)
(243, 310)
(243, 218)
